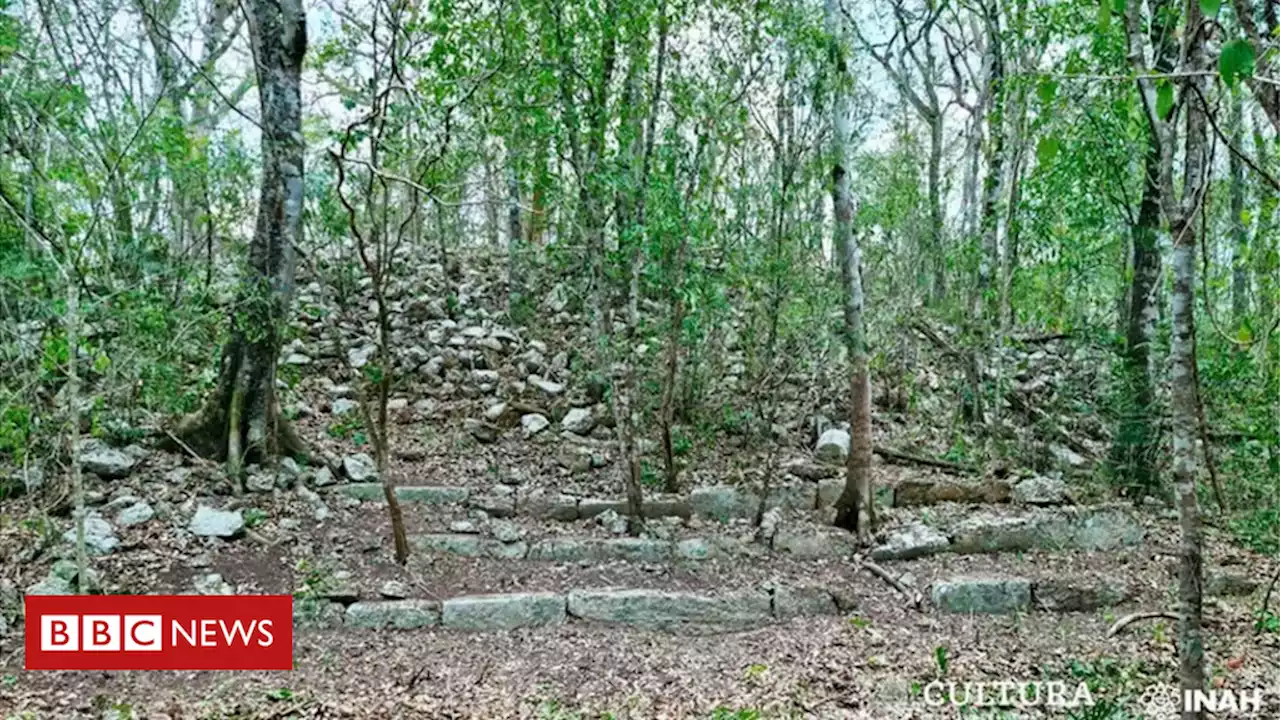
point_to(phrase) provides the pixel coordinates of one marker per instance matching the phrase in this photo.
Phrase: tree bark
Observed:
(854, 509)
(1182, 365)
(1239, 234)
(241, 420)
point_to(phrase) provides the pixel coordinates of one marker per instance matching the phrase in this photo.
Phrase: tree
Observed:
(1196, 167)
(241, 420)
(855, 510)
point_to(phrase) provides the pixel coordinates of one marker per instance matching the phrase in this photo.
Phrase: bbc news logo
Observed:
(159, 632)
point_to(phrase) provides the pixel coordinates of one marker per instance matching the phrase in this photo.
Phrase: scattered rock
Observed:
(814, 543)
(323, 477)
(319, 510)
(99, 537)
(208, 522)
(1040, 490)
(482, 431)
(359, 467)
(1225, 583)
(578, 421)
(802, 601)
(506, 531)
(533, 423)
(613, 522)
(342, 406)
(465, 527)
(833, 446)
(502, 414)
(394, 590)
(212, 584)
(723, 502)
(260, 482)
(808, 470)
(136, 514)
(106, 462)
(911, 541)
(359, 357)
(549, 387)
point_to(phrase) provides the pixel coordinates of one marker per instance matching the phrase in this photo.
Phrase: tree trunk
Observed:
(1136, 444)
(241, 421)
(854, 509)
(938, 261)
(1182, 366)
(1239, 235)
(515, 235)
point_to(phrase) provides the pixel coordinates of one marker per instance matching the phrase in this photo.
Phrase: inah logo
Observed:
(1162, 701)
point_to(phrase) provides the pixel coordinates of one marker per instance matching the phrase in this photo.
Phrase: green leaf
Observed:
(1236, 61)
(1164, 99)
(1104, 15)
(1047, 90)
(1047, 149)
(1210, 7)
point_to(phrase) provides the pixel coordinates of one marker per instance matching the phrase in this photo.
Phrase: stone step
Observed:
(1104, 528)
(643, 608)
(1006, 595)
(716, 502)
(1089, 528)
(811, 543)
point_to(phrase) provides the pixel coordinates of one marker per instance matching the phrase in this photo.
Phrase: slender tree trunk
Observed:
(1182, 365)
(937, 248)
(515, 236)
(73, 423)
(1239, 234)
(241, 419)
(854, 509)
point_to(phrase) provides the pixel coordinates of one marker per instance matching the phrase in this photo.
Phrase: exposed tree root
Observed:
(1128, 620)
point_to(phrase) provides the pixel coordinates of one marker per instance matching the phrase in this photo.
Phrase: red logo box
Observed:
(159, 632)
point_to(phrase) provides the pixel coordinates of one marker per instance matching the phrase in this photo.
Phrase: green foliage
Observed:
(254, 517)
(941, 660)
(1259, 529)
(1267, 621)
(1236, 60)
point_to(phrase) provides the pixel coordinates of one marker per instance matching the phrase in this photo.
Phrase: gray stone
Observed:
(814, 543)
(99, 537)
(578, 421)
(323, 477)
(506, 531)
(260, 482)
(425, 494)
(1104, 529)
(394, 590)
(547, 386)
(211, 584)
(503, 612)
(600, 550)
(591, 507)
(723, 502)
(208, 522)
(696, 549)
(502, 414)
(359, 357)
(482, 431)
(802, 601)
(105, 461)
(451, 544)
(319, 510)
(993, 596)
(809, 470)
(66, 571)
(398, 614)
(342, 406)
(911, 541)
(317, 613)
(542, 505)
(494, 505)
(533, 423)
(1069, 595)
(52, 585)
(359, 468)
(136, 514)
(833, 446)
(613, 522)
(910, 493)
(1040, 490)
(463, 526)
(985, 532)
(656, 609)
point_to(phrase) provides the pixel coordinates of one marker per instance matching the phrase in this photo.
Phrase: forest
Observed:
(726, 359)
